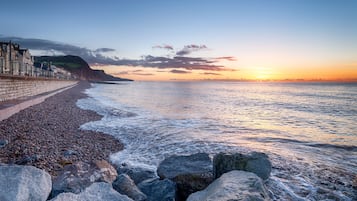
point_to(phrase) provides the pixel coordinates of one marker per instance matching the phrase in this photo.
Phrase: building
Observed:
(19, 62)
(26, 62)
(15, 61)
(61, 73)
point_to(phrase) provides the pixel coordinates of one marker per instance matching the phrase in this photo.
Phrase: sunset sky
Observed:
(193, 39)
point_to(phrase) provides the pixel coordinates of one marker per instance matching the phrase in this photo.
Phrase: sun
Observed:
(262, 76)
(262, 73)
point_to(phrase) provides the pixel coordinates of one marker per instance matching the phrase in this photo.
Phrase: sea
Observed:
(308, 129)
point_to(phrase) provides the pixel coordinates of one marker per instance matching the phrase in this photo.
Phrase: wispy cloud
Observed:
(133, 72)
(209, 73)
(180, 71)
(188, 49)
(99, 57)
(166, 47)
(144, 74)
(104, 50)
(229, 58)
(121, 73)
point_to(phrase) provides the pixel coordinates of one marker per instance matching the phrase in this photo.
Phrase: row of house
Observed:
(19, 62)
(14, 60)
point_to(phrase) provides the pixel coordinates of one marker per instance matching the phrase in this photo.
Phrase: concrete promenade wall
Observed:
(17, 87)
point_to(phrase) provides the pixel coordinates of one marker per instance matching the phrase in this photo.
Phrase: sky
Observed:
(193, 39)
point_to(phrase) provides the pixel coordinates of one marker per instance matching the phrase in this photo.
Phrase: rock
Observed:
(158, 190)
(100, 191)
(24, 183)
(191, 173)
(3, 143)
(137, 174)
(255, 162)
(354, 182)
(124, 185)
(75, 178)
(27, 160)
(70, 152)
(234, 185)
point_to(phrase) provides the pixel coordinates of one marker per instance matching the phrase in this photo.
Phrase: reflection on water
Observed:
(308, 129)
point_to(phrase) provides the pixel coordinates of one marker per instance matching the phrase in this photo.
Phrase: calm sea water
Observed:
(309, 130)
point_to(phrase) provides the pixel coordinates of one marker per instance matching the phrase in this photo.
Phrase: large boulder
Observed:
(255, 162)
(234, 185)
(100, 191)
(137, 174)
(158, 190)
(75, 178)
(24, 183)
(124, 185)
(190, 173)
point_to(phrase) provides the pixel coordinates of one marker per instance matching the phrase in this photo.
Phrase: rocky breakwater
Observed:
(194, 178)
(199, 179)
(190, 173)
(233, 185)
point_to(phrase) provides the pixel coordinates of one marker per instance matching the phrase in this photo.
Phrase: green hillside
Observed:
(77, 66)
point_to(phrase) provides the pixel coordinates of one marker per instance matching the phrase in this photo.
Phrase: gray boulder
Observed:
(75, 178)
(158, 190)
(3, 143)
(24, 183)
(190, 173)
(100, 191)
(124, 185)
(255, 162)
(234, 185)
(137, 174)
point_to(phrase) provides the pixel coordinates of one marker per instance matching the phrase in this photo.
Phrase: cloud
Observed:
(188, 49)
(121, 73)
(143, 74)
(179, 71)
(104, 50)
(98, 57)
(208, 73)
(51, 46)
(167, 47)
(188, 63)
(133, 72)
(229, 58)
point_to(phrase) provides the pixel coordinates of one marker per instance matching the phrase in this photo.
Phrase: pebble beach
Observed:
(47, 135)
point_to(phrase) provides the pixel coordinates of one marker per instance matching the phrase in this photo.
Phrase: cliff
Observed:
(77, 66)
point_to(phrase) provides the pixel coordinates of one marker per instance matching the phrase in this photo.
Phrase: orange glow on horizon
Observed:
(347, 72)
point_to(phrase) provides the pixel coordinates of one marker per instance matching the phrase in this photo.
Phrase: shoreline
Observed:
(48, 137)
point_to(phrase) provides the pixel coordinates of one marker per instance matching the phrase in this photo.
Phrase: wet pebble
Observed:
(3, 143)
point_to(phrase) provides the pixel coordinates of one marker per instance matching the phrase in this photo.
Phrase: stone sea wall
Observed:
(13, 87)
